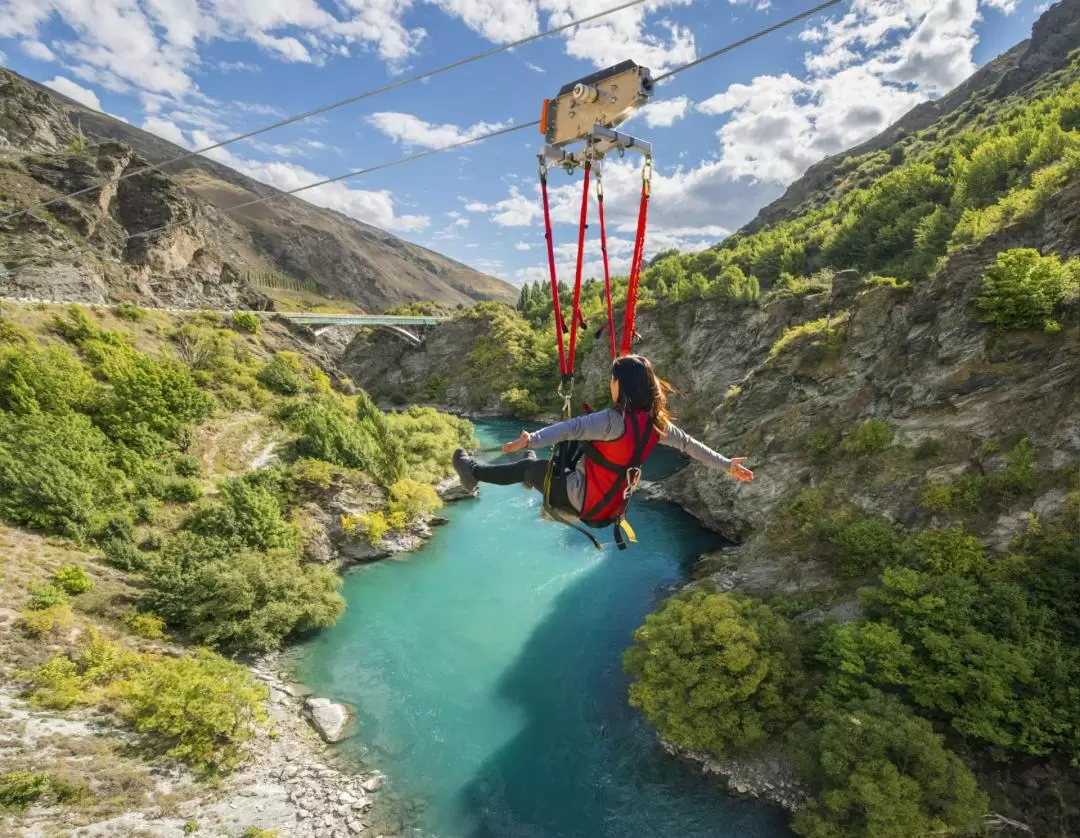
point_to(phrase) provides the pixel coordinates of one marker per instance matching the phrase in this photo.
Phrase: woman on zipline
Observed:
(617, 441)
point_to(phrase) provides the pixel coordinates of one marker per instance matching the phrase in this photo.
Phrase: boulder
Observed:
(328, 719)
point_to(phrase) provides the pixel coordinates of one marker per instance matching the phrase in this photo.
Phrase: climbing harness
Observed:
(588, 111)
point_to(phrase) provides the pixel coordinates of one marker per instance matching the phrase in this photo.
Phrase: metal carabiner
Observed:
(646, 174)
(633, 477)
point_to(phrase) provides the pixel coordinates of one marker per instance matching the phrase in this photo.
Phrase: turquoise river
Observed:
(485, 670)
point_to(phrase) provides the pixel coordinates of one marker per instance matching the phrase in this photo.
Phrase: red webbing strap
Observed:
(582, 224)
(551, 267)
(635, 265)
(607, 272)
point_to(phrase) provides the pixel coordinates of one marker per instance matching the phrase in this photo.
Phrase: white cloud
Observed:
(38, 50)
(82, 95)
(666, 112)
(536, 68)
(497, 20)
(371, 207)
(410, 130)
(522, 246)
(623, 35)
(166, 129)
(515, 211)
(866, 68)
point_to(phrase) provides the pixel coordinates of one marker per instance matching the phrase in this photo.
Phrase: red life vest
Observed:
(612, 469)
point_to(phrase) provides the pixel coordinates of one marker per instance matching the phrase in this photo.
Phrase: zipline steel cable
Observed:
(367, 94)
(828, 4)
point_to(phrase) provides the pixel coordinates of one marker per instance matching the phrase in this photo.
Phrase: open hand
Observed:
(737, 471)
(519, 443)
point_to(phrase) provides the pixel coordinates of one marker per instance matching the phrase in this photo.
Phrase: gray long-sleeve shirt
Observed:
(608, 425)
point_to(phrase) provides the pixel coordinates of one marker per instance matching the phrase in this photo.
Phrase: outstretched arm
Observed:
(680, 440)
(604, 425)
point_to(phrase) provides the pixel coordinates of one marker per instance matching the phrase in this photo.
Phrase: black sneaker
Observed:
(463, 465)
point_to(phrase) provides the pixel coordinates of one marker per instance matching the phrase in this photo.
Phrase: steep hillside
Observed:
(1055, 35)
(317, 248)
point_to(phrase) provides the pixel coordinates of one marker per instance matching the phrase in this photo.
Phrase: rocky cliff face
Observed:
(345, 258)
(80, 249)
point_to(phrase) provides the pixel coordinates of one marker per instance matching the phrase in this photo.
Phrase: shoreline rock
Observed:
(329, 719)
(767, 776)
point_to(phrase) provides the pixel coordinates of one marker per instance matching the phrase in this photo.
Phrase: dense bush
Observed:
(413, 499)
(861, 545)
(871, 437)
(362, 441)
(428, 439)
(946, 551)
(130, 312)
(978, 653)
(72, 579)
(715, 672)
(281, 374)
(201, 710)
(20, 789)
(46, 596)
(240, 600)
(246, 321)
(248, 515)
(880, 772)
(150, 401)
(55, 473)
(46, 380)
(1022, 288)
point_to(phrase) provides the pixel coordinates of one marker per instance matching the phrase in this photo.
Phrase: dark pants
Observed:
(532, 474)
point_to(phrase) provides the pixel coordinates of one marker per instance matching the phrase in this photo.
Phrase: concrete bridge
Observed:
(407, 326)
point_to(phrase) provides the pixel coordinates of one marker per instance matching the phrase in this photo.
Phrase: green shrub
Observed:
(37, 379)
(281, 374)
(978, 652)
(130, 312)
(150, 401)
(1022, 289)
(240, 599)
(715, 672)
(123, 555)
(821, 442)
(313, 473)
(46, 621)
(21, 789)
(426, 438)
(927, 449)
(946, 551)
(249, 515)
(937, 496)
(55, 473)
(180, 490)
(46, 596)
(187, 466)
(871, 437)
(73, 579)
(246, 321)
(413, 499)
(145, 624)
(366, 442)
(201, 710)
(879, 771)
(861, 545)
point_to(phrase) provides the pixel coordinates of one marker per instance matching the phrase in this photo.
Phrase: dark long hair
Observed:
(640, 388)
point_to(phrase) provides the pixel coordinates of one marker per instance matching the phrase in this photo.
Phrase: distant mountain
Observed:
(320, 248)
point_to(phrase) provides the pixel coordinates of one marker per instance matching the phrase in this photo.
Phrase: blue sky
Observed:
(728, 136)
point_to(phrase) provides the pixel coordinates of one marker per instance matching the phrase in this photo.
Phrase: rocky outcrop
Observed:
(763, 776)
(340, 256)
(329, 719)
